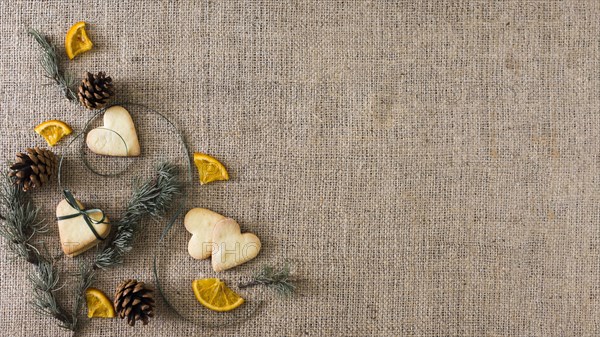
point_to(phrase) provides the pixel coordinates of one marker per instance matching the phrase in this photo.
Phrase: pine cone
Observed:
(95, 90)
(135, 301)
(34, 168)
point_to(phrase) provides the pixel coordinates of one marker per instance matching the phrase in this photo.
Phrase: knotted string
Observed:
(83, 212)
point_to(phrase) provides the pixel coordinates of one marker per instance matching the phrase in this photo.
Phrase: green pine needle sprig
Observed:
(50, 62)
(45, 282)
(86, 277)
(20, 223)
(279, 280)
(151, 198)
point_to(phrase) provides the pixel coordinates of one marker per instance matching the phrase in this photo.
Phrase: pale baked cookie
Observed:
(201, 222)
(118, 130)
(232, 248)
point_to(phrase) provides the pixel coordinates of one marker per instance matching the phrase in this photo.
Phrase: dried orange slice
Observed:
(98, 304)
(209, 168)
(77, 40)
(215, 295)
(53, 131)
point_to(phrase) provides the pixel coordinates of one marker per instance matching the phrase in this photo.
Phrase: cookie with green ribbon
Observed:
(79, 228)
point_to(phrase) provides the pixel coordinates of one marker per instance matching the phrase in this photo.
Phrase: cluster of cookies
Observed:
(117, 137)
(213, 235)
(219, 238)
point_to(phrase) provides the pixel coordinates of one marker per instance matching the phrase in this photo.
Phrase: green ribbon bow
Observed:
(83, 212)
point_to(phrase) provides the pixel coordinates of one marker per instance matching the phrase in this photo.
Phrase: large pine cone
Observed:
(95, 90)
(135, 301)
(34, 168)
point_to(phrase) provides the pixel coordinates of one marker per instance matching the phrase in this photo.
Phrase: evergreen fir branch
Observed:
(277, 279)
(86, 277)
(151, 198)
(50, 63)
(20, 221)
(20, 224)
(45, 283)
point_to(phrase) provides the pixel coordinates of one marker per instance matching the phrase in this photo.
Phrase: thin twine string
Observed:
(177, 213)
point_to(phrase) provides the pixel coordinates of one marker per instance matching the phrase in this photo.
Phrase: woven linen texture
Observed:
(430, 168)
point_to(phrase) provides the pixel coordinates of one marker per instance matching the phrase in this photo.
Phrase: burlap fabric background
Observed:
(431, 168)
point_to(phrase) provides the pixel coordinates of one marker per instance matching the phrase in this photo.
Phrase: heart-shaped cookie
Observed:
(117, 137)
(201, 222)
(75, 235)
(231, 247)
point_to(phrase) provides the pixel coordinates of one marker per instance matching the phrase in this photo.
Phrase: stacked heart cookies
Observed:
(216, 236)
(75, 234)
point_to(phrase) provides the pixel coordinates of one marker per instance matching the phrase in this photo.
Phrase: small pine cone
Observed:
(135, 301)
(95, 90)
(34, 168)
